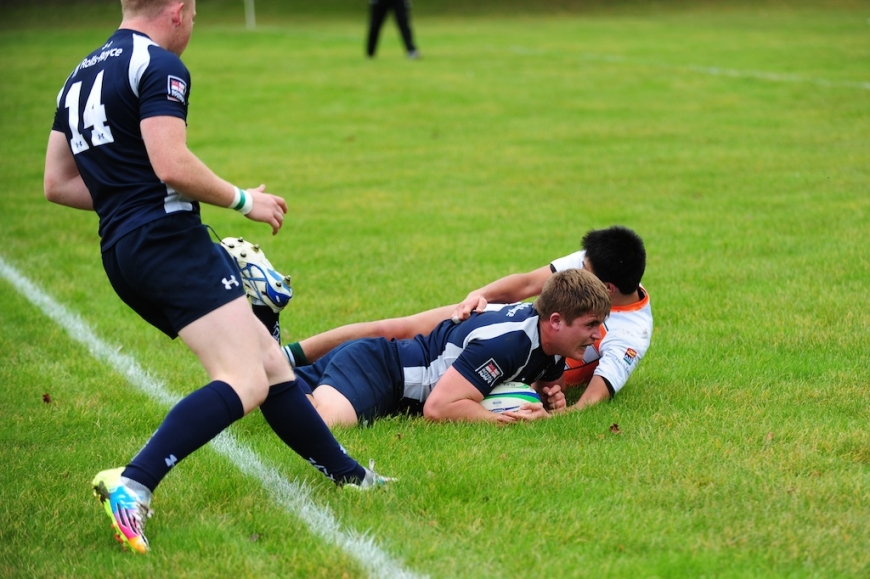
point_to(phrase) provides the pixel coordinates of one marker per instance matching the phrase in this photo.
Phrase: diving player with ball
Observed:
(616, 255)
(448, 372)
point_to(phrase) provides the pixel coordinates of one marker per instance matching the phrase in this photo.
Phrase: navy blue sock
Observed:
(191, 424)
(269, 319)
(297, 423)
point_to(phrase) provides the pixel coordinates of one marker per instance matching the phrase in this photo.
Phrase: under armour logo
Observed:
(229, 283)
(321, 468)
(171, 460)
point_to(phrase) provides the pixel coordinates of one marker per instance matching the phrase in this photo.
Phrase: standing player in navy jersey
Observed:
(118, 146)
(450, 370)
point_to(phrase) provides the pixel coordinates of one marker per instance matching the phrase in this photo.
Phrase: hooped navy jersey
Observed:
(99, 109)
(501, 344)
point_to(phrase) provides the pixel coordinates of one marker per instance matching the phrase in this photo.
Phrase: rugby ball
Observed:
(509, 396)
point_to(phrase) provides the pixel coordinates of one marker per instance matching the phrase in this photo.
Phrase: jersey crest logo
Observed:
(177, 89)
(489, 371)
(630, 356)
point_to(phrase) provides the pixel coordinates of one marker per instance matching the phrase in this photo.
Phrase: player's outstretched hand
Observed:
(267, 208)
(502, 418)
(526, 412)
(462, 311)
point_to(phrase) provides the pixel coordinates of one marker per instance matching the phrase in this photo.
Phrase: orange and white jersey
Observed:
(627, 335)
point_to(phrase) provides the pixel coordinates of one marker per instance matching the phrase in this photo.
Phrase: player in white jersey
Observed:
(627, 334)
(615, 254)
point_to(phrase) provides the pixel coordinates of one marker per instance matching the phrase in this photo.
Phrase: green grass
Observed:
(732, 138)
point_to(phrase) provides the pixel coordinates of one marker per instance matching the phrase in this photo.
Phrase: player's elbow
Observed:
(55, 190)
(52, 184)
(174, 166)
(435, 412)
(170, 173)
(391, 328)
(51, 190)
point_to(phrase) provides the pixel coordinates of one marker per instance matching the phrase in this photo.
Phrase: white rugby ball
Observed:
(509, 396)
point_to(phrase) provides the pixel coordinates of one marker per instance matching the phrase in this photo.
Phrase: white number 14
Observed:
(94, 116)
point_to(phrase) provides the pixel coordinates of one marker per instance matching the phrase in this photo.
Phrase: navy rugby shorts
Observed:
(171, 273)
(367, 372)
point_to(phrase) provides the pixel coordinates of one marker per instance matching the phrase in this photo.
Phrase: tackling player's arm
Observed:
(318, 345)
(512, 288)
(597, 391)
(454, 398)
(166, 141)
(62, 183)
(621, 351)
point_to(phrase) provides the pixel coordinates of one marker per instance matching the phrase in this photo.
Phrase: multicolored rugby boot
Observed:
(372, 479)
(128, 505)
(263, 284)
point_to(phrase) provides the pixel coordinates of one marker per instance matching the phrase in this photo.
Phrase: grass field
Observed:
(732, 137)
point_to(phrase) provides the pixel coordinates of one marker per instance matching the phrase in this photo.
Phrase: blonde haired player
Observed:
(118, 147)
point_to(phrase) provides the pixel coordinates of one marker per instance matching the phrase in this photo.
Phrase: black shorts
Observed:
(171, 272)
(367, 372)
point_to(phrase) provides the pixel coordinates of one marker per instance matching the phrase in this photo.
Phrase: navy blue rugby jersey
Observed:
(499, 345)
(128, 79)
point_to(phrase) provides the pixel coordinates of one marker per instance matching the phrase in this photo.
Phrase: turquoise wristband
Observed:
(243, 203)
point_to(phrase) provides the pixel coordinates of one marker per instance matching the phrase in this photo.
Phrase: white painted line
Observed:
(294, 496)
(731, 72)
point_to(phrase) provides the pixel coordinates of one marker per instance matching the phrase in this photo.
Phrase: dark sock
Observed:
(270, 319)
(297, 423)
(191, 424)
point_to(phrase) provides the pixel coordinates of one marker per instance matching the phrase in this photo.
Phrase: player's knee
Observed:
(252, 390)
(259, 391)
(276, 365)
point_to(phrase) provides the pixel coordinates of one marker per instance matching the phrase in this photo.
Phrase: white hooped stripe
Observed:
(293, 496)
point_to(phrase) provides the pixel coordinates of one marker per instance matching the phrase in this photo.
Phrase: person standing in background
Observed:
(377, 15)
